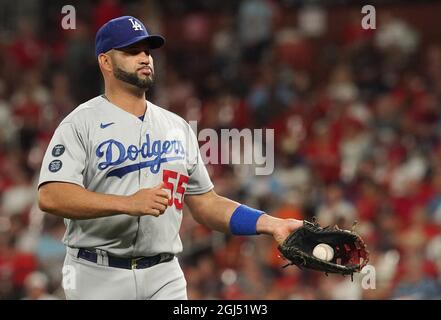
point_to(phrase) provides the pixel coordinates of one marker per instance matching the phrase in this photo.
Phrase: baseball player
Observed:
(119, 170)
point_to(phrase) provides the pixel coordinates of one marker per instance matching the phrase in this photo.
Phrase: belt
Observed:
(126, 263)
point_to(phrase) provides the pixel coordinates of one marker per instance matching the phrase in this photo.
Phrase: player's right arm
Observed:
(72, 201)
(61, 184)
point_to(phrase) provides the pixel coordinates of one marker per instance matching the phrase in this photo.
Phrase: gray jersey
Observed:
(107, 150)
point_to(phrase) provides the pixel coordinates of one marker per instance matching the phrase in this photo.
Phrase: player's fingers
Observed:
(159, 186)
(154, 212)
(162, 200)
(162, 193)
(159, 206)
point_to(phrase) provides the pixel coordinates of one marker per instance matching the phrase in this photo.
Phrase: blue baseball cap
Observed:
(122, 32)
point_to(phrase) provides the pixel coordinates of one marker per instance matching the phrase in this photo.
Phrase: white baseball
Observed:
(323, 251)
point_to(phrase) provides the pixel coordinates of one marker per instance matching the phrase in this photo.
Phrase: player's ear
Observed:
(105, 62)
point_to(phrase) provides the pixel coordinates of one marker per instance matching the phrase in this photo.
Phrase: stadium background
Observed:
(356, 113)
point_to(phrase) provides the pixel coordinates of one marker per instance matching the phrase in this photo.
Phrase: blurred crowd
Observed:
(356, 115)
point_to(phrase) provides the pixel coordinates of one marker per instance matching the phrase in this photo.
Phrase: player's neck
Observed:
(131, 102)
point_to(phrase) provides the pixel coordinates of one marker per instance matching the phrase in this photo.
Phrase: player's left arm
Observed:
(216, 212)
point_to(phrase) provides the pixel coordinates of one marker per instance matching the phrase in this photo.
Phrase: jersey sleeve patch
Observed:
(55, 165)
(58, 150)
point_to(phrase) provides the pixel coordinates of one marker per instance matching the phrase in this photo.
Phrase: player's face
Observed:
(134, 65)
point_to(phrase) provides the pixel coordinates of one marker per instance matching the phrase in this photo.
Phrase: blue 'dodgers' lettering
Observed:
(115, 153)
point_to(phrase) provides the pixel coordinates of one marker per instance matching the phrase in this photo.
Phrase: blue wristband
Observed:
(243, 221)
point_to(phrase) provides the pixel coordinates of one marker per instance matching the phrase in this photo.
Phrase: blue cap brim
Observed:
(154, 41)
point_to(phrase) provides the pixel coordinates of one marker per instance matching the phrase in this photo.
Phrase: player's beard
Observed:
(133, 79)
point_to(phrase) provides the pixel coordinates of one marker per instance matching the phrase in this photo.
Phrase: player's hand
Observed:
(153, 201)
(280, 229)
(284, 228)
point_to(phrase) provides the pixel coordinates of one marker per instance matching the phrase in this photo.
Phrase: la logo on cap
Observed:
(135, 24)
